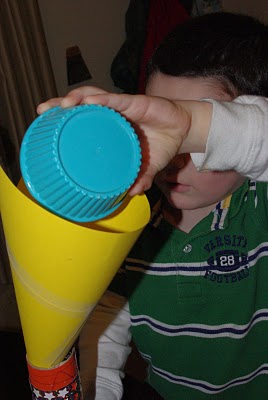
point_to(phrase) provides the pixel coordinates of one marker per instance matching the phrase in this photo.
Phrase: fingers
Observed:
(141, 185)
(48, 104)
(145, 178)
(133, 107)
(77, 96)
(73, 98)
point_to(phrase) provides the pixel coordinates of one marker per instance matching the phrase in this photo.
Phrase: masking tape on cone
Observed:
(60, 268)
(61, 381)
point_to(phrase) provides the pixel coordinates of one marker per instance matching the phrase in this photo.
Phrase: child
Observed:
(196, 281)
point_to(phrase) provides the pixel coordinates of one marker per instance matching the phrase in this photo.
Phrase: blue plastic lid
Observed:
(79, 162)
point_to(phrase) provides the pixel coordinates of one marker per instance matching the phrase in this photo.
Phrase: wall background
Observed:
(98, 28)
(256, 8)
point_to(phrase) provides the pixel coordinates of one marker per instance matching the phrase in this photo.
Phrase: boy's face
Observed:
(184, 187)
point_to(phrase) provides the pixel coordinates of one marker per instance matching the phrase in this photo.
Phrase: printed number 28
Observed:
(225, 261)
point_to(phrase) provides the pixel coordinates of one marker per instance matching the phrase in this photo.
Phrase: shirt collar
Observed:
(222, 213)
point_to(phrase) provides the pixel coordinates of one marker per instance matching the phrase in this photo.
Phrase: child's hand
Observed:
(73, 98)
(162, 125)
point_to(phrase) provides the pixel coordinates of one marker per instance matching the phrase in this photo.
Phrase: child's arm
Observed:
(238, 138)
(235, 131)
(104, 348)
(162, 125)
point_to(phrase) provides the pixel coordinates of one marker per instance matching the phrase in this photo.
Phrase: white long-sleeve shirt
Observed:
(238, 140)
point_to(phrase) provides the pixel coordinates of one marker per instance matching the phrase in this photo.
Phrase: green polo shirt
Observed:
(199, 301)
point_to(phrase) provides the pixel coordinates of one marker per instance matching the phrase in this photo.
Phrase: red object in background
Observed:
(163, 16)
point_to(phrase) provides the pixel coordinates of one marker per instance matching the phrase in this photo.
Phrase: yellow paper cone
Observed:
(60, 269)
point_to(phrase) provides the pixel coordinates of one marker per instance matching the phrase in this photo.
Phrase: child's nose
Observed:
(178, 162)
(181, 160)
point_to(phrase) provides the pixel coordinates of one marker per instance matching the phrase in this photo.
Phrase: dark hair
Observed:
(232, 48)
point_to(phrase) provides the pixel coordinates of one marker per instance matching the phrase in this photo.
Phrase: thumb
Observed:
(143, 182)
